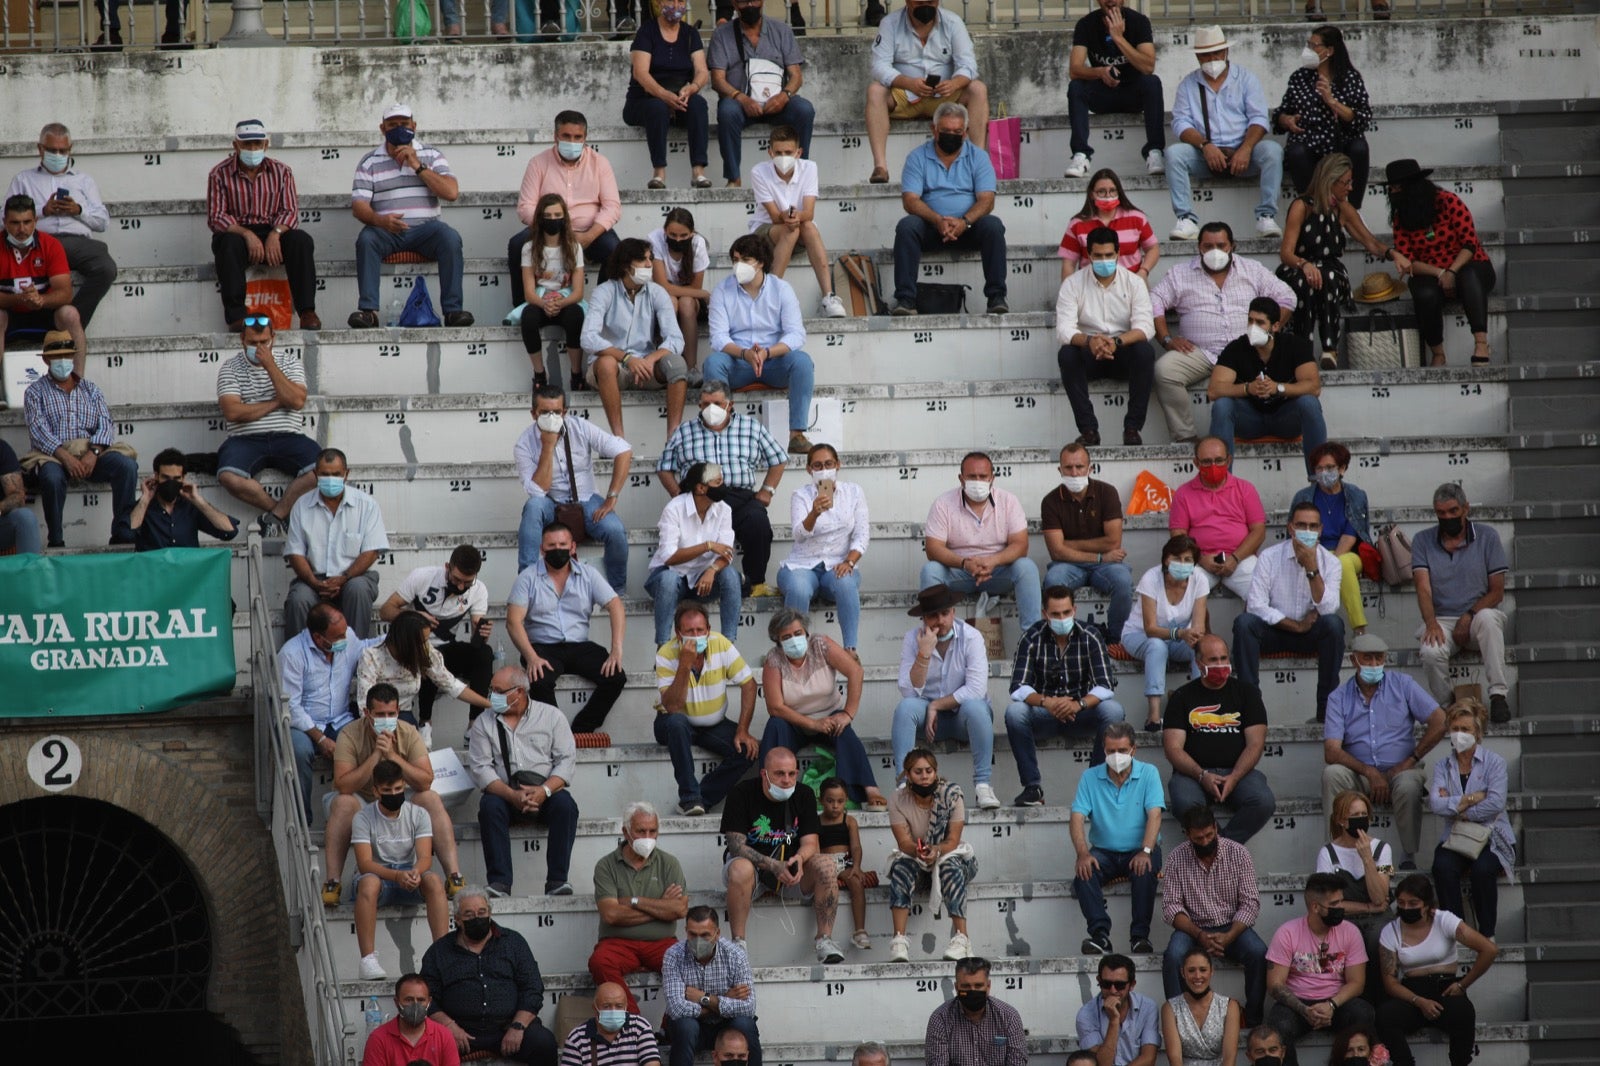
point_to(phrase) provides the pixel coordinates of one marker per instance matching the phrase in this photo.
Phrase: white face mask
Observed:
(1074, 485)
(1462, 742)
(1309, 59)
(713, 415)
(1118, 762)
(1213, 68)
(783, 164)
(1258, 336)
(1216, 259)
(977, 491)
(643, 846)
(550, 422)
(744, 273)
(642, 275)
(819, 476)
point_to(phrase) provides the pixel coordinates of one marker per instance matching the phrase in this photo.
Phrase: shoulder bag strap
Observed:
(1205, 110)
(572, 473)
(505, 744)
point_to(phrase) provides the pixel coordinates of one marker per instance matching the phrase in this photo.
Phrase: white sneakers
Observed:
(900, 948)
(1078, 167)
(828, 952)
(960, 947)
(1267, 226)
(371, 968)
(1187, 229)
(1155, 163)
(426, 731)
(987, 800)
(832, 307)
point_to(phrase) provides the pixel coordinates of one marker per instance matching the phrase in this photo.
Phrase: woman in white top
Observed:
(552, 271)
(1200, 1026)
(404, 658)
(694, 550)
(1365, 864)
(681, 259)
(1417, 958)
(831, 533)
(1170, 621)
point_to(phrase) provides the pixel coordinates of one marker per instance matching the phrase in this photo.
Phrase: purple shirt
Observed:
(1213, 316)
(953, 520)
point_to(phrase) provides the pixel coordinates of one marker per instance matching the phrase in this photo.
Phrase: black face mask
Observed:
(1357, 825)
(1356, 1060)
(552, 226)
(556, 558)
(1205, 851)
(950, 143)
(1410, 915)
(1452, 527)
(1333, 916)
(926, 14)
(750, 16)
(973, 999)
(1268, 1060)
(683, 247)
(715, 493)
(923, 790)
(1192, 994)
(477, 928)
(392, 801)
(169, 491)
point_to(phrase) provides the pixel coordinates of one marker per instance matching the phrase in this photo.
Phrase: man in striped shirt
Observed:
(616, 1036)
(254, 214)
(395, 197)
(693, 674)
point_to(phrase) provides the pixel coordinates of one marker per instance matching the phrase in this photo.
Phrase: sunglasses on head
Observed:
(1114, 986)
(257, 321)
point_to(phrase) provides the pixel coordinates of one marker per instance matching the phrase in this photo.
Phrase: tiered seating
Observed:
(428, 418)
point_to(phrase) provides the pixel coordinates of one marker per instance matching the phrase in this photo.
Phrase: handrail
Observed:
(278, 803)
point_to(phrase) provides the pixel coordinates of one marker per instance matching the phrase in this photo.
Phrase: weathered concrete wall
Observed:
(511, 87)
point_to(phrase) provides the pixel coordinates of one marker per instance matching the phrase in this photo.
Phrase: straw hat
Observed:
(1378, 288)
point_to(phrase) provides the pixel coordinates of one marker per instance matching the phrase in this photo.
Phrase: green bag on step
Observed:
(412, 20)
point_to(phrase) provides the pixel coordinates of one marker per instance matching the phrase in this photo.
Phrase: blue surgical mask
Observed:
(1103, 268)
(1372, 675)
(571, 151)
(254, 159)
(385, 725)
(56, 163)
(698, 643)
(1327, 478)
(1307, 537)
(497, 702)
(1180, 571)
(947, 635)
(779, 793)
(612, 1021)
(61, 369)
(339, 645)
(796, 646)
(330, 486)
(250, 354)
(400, 136)
(1061, 626)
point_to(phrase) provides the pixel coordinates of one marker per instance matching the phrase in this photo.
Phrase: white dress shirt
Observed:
(1279, 588)
(588, 442)
(681, 524)
(40, 185)
(1085, 306)
(840, 530)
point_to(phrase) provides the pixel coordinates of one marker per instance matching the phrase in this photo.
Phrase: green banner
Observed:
(114, 633)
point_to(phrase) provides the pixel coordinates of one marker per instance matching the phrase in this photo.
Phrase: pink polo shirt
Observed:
(589, 187)
(1217, 520)
(953, 520)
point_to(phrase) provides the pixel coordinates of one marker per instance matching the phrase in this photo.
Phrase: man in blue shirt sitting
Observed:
(1121, 800)
(1128, 1021)
(947, 189)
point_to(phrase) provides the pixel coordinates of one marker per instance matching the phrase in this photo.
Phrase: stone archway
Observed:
(222, 848)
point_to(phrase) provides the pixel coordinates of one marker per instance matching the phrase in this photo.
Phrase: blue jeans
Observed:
(1186, 162)
(430, 238)
(1026, 725)
(656, 117)
(1251, 801)
(1156, 654)
(1140, 96)
(1325, 640)
(693, 1035)
(1246, 949)
(851, 764)
(305, 754)
(540, 511)
(1021, 575)
(1299, 417)
(112, 468)
(794, 372)
(559, 814)
(801, 587)
(1092, 901)
(913, 235)
(25, 528)
(731, 121)
(972, 722)
(680, 737)
(666, 587)
(1114, 579)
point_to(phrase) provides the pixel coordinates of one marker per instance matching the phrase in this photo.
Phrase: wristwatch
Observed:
(518, 1026)
(421, 167)
(633, 901)
(1148, 851)
(1281, 389)
(705, 1000)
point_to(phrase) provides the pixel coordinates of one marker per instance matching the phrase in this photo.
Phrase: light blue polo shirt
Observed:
(1117, 815)
(948, 190)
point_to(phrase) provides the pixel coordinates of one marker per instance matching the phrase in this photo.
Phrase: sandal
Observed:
(861, 940)
(879, 804)
(656, 183)
(702, 182)
(1482, 360)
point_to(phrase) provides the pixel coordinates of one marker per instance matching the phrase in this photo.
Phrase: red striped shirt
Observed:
(1133, 236)
(267, 199)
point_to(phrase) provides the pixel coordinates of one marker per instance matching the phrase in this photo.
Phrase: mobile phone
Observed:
(932, 80)
(1220, 558)
(63, 194)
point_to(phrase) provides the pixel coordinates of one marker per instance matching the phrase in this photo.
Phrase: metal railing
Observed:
(71, 25)
(278, 803)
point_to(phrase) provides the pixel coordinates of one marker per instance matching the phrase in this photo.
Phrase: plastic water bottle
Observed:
(395, 307)
(499, 654)
(373, 1014)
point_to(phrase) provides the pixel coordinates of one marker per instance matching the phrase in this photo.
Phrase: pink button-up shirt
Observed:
(953, 520)
(589, 187)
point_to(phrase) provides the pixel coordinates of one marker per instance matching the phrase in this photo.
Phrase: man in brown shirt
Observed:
(1082, 525)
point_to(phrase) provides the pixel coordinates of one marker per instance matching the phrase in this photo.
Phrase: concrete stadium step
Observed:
(324, 160)
(853, 996)
(1016, 920)
(172, 232)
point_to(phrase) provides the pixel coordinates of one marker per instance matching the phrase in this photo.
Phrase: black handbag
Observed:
(934, 298)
